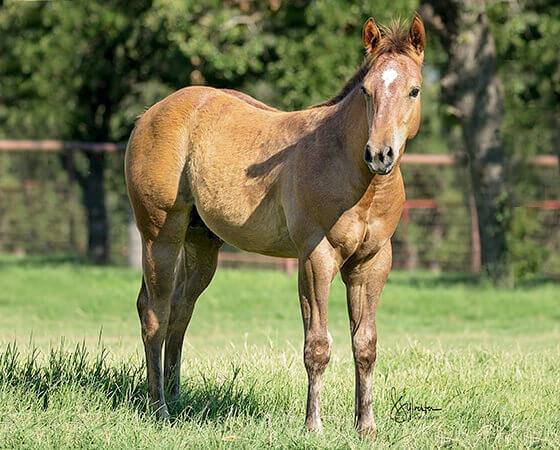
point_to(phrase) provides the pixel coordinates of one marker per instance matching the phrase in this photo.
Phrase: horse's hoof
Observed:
(161, 412)
(314, 426)
(368, 431)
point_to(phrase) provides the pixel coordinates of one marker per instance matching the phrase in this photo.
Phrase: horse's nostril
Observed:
(390, 152)
(367, 154)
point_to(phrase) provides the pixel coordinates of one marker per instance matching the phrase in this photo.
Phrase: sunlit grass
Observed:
(72, 374)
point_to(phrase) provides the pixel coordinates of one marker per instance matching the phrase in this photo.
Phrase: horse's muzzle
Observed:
(380, 161)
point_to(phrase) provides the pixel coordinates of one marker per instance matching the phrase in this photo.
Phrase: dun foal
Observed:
(204, 166)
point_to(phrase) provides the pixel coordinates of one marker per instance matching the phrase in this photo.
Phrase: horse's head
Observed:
(392, 91)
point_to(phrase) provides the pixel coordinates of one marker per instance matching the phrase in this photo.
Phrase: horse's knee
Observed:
(365, 350)
(317, 352)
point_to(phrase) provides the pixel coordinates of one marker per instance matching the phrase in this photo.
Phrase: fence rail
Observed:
(288, 265)
(59, 146)
(50, 145)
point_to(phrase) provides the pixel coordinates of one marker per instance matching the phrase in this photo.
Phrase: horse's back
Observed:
(216, 150)
(162, 134)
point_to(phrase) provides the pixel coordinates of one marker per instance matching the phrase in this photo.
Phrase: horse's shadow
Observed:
(214, 400)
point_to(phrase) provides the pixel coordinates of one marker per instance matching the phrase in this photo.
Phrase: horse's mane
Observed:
(249, 100)
(394, 39)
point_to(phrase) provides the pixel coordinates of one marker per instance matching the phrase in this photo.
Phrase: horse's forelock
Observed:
(394, 39)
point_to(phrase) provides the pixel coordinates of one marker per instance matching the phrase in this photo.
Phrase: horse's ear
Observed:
(417, 35)
(372, 36)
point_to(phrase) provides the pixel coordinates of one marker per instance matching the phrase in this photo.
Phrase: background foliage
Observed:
(85, 69)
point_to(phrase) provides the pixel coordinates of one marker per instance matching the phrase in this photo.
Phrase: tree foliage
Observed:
(84, 70)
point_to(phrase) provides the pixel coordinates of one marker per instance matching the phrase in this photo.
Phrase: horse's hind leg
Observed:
(197, 266)
(159, 254)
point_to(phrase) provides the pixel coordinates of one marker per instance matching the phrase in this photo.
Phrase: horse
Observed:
(205, 166)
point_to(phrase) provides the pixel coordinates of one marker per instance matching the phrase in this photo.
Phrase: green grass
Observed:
(72, 375)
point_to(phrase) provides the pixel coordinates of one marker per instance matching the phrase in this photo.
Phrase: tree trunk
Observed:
(93, 191)
(472, 87)
(556, 136)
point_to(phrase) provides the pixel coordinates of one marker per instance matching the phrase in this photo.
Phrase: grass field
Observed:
(71, 372)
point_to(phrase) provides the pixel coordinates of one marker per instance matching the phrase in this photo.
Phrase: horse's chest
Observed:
(376, 233)
(363, 236)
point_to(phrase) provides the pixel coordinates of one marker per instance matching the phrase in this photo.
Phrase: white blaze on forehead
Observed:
(389, 76)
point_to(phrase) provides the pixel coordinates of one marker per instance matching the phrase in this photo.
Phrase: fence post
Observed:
(134, 254)
(475, 237)
(289, 265)
(71, 173)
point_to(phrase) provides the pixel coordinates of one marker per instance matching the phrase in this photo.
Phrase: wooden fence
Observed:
(288, 265)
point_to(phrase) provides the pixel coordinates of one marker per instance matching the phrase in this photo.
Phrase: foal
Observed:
(204, 166)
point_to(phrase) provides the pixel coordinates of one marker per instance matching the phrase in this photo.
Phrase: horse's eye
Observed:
(365, 92)
(414, 92)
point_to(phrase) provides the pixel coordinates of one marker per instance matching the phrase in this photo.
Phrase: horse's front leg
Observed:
(316, 271)
(364, 281)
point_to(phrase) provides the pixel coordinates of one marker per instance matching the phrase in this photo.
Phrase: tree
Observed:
(102, 52)
(473, 88)
(85, 69)
(73, 69)
(529, 33)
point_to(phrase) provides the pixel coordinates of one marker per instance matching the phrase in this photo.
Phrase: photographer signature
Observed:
(403, 410)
